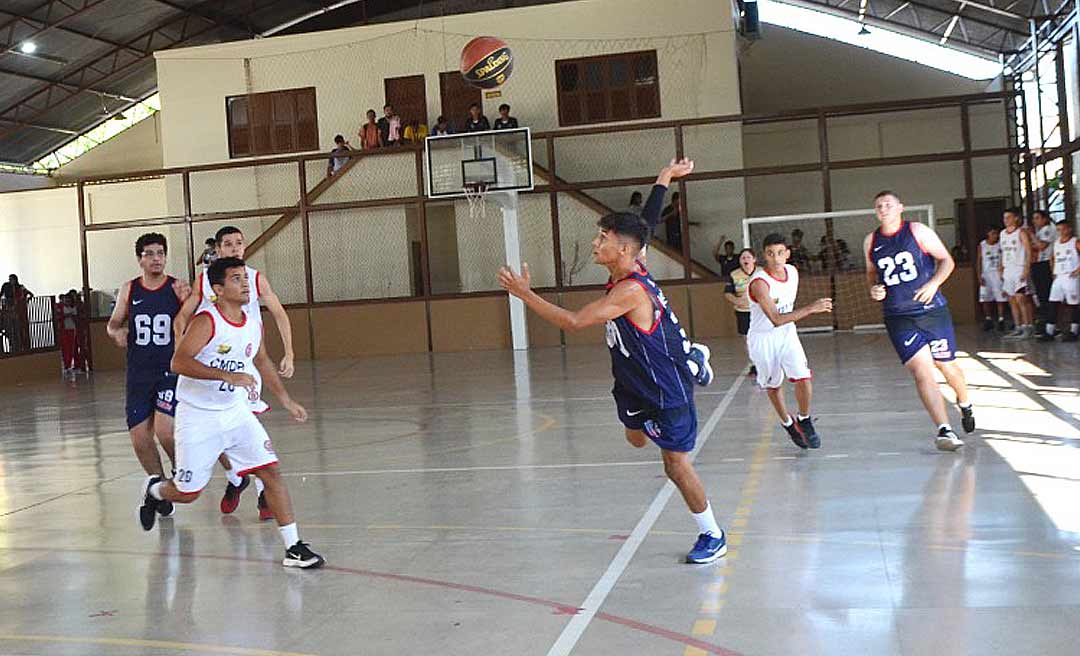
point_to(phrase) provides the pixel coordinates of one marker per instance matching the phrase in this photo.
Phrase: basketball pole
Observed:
(511, 239)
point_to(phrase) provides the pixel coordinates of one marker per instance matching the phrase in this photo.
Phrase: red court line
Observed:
(559, 608)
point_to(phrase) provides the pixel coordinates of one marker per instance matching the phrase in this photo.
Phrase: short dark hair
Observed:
(476, 105)
(441, 119)
(1042, 212)
(216, 272)
(1015, 211)
(210, 241)
(225, 231)
(748, 250)
(796, 233)
(729, 243)
(887, 192)
(150, 238)
(387, 106)
(339, 139)
(992, 228)
(636, 195)
(774, 238)
(626, 224)
(504, 106)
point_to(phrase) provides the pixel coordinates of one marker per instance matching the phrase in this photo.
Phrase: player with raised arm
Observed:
(215, 359)
(230, 243)
(773, 343)
(142, 322)
(653, 362)
(906, 264)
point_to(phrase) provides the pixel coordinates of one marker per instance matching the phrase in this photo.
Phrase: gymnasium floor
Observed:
(468, 506)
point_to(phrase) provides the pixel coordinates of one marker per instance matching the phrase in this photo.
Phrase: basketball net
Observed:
(474, 194)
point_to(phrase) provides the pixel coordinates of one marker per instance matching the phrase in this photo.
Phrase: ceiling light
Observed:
(28, 47)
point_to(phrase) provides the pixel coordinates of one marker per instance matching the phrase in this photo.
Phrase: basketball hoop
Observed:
(474, 194)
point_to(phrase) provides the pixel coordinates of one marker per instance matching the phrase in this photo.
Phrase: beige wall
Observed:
(135, 149)
(39, 239)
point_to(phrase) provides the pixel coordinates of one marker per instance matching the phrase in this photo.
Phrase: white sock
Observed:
(289, 534)
(233, 478)
(155, 491)
(1050, 328)
(1075, 328)
(945, 426)
(259, 487)
(787, 422)
(802, 416)
(706, 522)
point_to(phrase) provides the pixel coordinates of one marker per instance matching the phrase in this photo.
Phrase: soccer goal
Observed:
(826, 248)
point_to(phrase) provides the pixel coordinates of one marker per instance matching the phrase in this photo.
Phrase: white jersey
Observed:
(1048, 235)
(253, 311)
(782, 292)
(1066, 259)
(991, 257)
(232, 347)
(1013, 255)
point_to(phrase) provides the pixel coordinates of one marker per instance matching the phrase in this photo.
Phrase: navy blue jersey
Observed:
(649, 362)
(903, 267)
(150, 333)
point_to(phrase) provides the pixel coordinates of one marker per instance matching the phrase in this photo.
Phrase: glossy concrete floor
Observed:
(482, 503)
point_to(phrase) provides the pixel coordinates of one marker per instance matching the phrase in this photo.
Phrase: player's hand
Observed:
(877, 292)
(286, 368)
(296, 410)
(821, 305)
(119, 336)
(518, 285)
(239, 379)
(678, 169)
(182, 290)
(925, 294)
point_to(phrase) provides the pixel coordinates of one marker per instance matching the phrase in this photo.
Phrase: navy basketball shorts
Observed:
(145, 394)
(909, 333)
(671, 429)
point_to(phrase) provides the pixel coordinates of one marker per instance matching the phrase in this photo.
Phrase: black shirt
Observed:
(478, 125)
(728, 264)
(509, 124)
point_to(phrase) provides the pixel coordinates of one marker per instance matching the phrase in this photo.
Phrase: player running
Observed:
(906, 264)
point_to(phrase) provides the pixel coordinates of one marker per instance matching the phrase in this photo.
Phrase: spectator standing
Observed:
(15, 317)
(209, 253)
(390, 127)
(1042, 246)
(370, 133)
(13, 292)
(735, 292)
(800, 255)
(415, 132)
(729, 261)
(505, 121)
(442, 126)
(338, 156)
(476, 122)
(67, 315)
(635, 206)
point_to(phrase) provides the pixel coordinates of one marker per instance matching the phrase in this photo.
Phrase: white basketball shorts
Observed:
(203, 435)
(1065, 288)
(777, 355)
(992, 290)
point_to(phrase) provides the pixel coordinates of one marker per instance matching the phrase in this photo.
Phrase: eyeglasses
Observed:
(153, 254)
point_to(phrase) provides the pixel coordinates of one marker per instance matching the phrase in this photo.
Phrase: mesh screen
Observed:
(245, 188)
(363, 253)
(370, 178)
(110, 202)
(281, 259)
(826, 248)
(614, 156)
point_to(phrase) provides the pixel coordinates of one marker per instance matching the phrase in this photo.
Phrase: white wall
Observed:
(39, 239)
(136, 149)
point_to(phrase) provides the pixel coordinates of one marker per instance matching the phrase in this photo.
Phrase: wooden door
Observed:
(457, 95)
(408, 95)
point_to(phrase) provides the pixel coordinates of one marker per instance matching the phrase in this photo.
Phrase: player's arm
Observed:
(1025, 242)
(932, 244)
(199, 333)
(759, 291)
(117, 327)
(622, 299)
(978, 265)
(729, 294)
(180, 321)
(654, 206)
(281, 319)
(273, 382)
(877, 290)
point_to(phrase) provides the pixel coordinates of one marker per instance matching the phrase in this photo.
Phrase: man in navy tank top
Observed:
(653, 361)
(906, 264)
(141, 322)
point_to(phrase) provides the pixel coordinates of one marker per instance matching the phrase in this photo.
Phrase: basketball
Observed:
(486, 62)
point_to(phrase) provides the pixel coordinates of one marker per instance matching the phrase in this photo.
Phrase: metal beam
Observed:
(39, 78)
(37, 126)
(989, 8)
(219, 17)
(43, 25)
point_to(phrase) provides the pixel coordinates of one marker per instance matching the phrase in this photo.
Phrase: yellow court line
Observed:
(694, 651)
(153, 644)
(704, 628)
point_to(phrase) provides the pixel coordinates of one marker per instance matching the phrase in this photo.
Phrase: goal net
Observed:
(826, 248)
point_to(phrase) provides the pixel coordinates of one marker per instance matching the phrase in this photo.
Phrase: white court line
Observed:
(574, 629)
(890, 453)
(436, 470)
(837, 455)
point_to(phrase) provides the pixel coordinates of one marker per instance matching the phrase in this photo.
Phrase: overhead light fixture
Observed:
(862, 30)
(28, 47)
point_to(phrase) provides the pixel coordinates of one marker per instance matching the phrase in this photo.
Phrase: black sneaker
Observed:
(231, 498)
(148, 510)
(1045, 338)
(1001, 327)
(988, 325)
(300, 555)
(1070, 337)
(967, 419)
(806, 426)
(166, 508)
(795, 433)
(753, 371)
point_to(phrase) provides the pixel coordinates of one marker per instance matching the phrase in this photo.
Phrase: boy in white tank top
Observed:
(215, 360)
(774, 345)
(991, 289)
(1065, 264)
(230, 242)
(1016, 254)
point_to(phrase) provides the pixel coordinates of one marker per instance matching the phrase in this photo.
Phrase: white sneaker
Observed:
(947, 440)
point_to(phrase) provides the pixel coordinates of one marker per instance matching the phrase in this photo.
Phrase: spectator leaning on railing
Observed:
(505, 121)
(341, 147)
(476, 122)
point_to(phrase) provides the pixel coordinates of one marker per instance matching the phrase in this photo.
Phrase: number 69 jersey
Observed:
(150, 334)
(903, 267)
(232, 347)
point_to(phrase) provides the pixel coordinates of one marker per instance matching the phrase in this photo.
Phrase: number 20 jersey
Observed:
(903, 267)
(150, 334)
(232, 347)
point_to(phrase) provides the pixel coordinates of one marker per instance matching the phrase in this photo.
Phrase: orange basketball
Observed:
(486, 62)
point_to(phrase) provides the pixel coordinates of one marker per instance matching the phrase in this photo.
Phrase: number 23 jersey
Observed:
(232, 347)
(903, 267)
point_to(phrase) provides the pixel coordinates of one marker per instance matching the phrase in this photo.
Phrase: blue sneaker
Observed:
(698, 361)
(707, 548)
